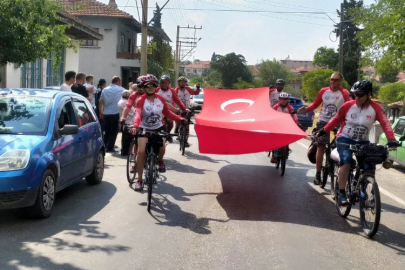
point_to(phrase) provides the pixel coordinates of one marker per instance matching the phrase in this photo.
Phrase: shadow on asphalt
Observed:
(174, 165)
(258, 193)
(74, 207)
(194, 156)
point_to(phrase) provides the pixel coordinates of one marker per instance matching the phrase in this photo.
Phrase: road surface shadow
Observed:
(74, 207)
(174, 165)
(258, 193)
(194, 156)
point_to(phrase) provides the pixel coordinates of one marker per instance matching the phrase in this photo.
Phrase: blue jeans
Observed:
(345, 155)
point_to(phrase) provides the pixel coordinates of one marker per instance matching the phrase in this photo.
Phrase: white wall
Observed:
(72, 58)
(101, 61)
(13, 76)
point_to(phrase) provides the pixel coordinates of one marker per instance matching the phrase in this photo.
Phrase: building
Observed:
(255, 71)
(40, 73)
(198, 69)
(294, 64)
(117, 54)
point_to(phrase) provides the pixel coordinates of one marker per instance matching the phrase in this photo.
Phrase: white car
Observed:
(197, 102)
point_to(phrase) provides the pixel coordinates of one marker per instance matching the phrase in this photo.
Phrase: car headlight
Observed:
(13, 160)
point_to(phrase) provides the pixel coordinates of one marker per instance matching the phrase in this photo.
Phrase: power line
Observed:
(287, 5)
(137, 9)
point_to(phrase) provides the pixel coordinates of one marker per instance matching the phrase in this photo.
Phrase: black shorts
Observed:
(157, 143)
(326, 138)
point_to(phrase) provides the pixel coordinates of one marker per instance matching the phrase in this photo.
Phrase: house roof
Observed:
(254, 70)
(95, 8)
(201, 64)
(79, 29)
(303, 69)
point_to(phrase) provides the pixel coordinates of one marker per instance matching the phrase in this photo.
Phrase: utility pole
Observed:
(144, 44)
(178, 45)
(341, 39)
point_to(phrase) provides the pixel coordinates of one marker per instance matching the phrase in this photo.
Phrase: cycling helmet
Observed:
(283, 95)
(182, 78)
(146, 79)
(281, 81)
(165, 78)
(362, 86)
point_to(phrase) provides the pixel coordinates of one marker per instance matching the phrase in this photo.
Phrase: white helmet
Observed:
(283, 95)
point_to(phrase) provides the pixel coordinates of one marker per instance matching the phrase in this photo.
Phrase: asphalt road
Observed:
(209, 212)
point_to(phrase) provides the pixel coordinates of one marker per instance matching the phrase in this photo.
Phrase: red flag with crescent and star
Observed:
(241, 122)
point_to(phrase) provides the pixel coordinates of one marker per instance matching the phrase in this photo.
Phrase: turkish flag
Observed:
(242, 122)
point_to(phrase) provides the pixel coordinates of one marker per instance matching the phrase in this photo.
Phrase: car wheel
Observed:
(45, 200)
(98, 171)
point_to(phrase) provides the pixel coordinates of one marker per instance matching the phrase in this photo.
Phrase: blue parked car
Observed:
(305, 119)
(48, 141)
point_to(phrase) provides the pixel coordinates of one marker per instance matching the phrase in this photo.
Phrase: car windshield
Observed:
(24, 115)
(199, 96)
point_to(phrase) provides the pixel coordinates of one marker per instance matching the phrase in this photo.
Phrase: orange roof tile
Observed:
(93, 8)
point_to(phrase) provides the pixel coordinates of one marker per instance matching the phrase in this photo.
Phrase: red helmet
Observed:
(146, 79)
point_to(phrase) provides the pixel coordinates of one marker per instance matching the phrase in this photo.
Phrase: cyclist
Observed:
(149, 112)
(132, 101)
(283, 106)
(184, 92)
(332, 98)
(357, 116)
(171, 98)
(274, 92)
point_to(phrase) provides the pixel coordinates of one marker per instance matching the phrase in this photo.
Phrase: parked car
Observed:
(48, 141)
(197, 101)
(52, 88)
(305, 119)
(398, 127)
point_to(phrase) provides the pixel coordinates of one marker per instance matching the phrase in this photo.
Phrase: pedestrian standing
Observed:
(109, 111)
(90, 90)
(78, 87)
(129, 122)
(69, 80)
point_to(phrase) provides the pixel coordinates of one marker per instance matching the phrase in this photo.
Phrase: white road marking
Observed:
(382, 190)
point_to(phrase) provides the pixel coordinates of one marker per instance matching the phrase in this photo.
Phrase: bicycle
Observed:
(151, 164)
(183, 131)
(362, 186)
(281, 157)
(327, 163)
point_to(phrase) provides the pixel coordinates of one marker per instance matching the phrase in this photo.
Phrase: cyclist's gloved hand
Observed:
(393, 144)
(133, 130)
(320, 133)
(184, 121)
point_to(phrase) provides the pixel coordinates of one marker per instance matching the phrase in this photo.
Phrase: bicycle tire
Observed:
(333, 175)
(151, 175)
(343, 211)
(283, 160)
(184, 135)
(278, 161)
(325, 169)
(131, 162)
(373, 192)
(180, 137)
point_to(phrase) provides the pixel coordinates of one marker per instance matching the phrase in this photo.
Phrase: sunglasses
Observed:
(334, 80)
(150, 86)
(360, 95)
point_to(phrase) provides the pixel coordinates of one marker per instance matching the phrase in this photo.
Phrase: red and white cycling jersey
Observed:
(149, 115)
(287, 109)
(132, 100)
(332, 102)
(185, 93)
(170, 96)
(273, 95)
(357, 122)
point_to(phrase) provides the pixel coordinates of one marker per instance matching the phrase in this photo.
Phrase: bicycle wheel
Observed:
(131, 162)
(181, 137)
(333, 178)
(151, 174)
(325, 169)
(343, 211)
(278, 159)
(283, 159)
(370, 206)
(183, 141)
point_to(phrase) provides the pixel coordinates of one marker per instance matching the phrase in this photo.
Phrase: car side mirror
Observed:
(402, 138)
(69, 130)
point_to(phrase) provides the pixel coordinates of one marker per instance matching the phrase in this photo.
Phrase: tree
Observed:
(351, 47)
(213, 78)
(391, 92)
(231, 67)
(384, 30)
(271, 70)
(388, 69)
(185, 63)
(196, 80)
(241, 84)
(157, 17)
(313, 81)
(31, 29)
(213, 57)
(155, 68)
(326, 58)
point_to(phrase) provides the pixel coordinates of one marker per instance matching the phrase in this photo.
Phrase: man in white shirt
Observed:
(129, 122)
(69, 80)
(91, 90)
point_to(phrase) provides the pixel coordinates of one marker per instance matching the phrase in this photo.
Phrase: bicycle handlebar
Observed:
(159, 133)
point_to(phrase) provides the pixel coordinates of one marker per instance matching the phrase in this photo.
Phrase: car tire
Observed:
(45, 199)
(96, 175)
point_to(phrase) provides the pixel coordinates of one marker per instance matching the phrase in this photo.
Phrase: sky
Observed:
(270, 33)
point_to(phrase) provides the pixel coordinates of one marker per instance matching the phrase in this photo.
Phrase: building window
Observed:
(90, 42)
(55, 78)
(31, 74)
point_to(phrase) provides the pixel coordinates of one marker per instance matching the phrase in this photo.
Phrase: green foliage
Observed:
(384, 31)
(293, 91)
(213, 79)
(241, 84)
(391, 92)
(271, 70)
(231, 67)
(31, 29)
(155, 68)
(388, 68)
(185, 63)
(157, 17)
(313, 81)
(213, 57)
(352, 49)
(196, 80)
(326, 58)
